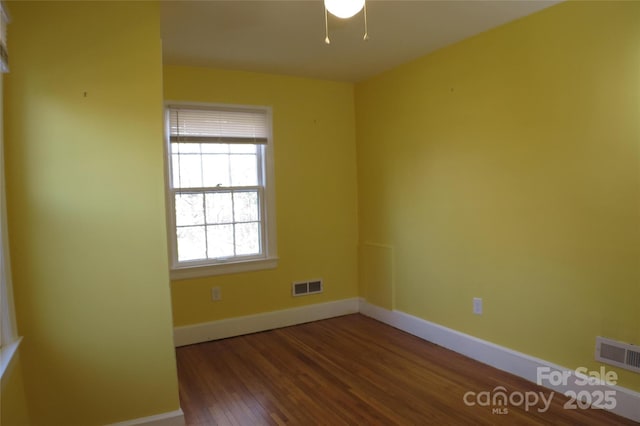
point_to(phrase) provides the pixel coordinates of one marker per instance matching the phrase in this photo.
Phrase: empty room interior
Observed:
(260, 212)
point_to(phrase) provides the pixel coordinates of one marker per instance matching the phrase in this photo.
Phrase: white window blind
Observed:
(218, 126)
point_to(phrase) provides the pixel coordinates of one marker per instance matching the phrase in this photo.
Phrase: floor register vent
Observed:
(306, 287)
(619, 354)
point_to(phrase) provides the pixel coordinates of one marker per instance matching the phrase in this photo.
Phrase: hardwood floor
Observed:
(351, 370)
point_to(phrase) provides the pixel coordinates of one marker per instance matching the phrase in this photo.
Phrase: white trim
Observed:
(7, 353)
(223, 268)
(517, 363)
(172, 418)
(203, 332)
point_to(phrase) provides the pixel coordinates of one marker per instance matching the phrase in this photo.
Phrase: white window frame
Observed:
(210, 267)
(9, 339)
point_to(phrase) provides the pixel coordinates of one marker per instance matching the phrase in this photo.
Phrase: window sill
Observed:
(6, 355)
(223, 269)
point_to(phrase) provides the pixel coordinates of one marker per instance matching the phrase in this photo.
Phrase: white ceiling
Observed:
(287, 36)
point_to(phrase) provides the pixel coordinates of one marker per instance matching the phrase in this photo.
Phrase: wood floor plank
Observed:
(350, 370)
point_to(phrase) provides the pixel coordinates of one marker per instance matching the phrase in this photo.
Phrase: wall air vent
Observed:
(306, 287)
(620, 354)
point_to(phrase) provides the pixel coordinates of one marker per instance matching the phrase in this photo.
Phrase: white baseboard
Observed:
(517, 363)
(173, 418)
(203, 332)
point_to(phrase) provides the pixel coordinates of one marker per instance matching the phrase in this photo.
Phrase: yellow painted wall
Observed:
(507, 167)
(316, 197)
(83, 137)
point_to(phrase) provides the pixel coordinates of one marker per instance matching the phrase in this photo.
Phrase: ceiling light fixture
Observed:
(344, 9)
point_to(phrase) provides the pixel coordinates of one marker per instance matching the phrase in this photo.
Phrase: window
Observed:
(4, 55)
(9, 339)
(220, 188)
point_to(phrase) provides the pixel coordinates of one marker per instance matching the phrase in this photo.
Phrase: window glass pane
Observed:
(246, 206)
(215, 148)
(189, 171)
(244, 170)
(189, 209)
(247, 238)
(216, 170)
(220, 241)
(191, 243)
(243, 148)
(175, 171)
(219, 207)
(175, 148)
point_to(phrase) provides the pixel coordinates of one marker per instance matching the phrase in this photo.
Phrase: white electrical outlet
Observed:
(216, 294)
(477, 305)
